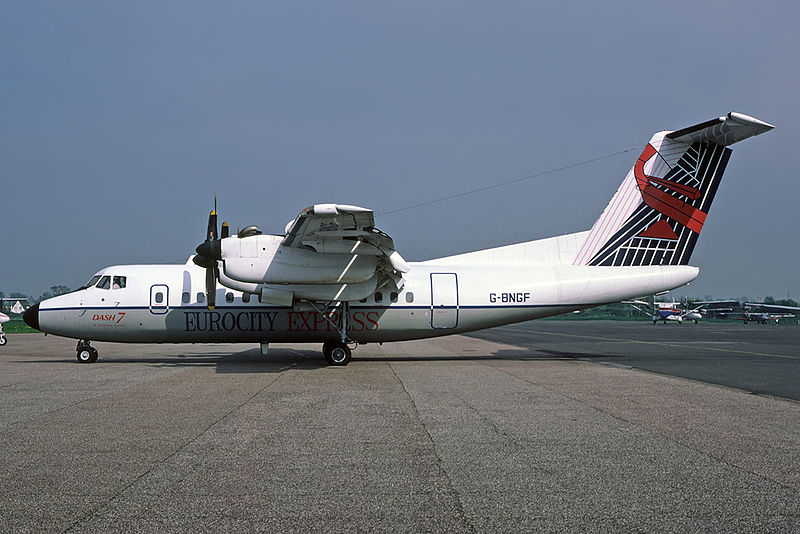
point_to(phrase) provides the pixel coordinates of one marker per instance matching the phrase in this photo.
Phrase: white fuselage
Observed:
(165, 303)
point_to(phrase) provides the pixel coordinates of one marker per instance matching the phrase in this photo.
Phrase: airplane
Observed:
(17, 307)
(332, 277)
(672, 311)
(762, 317)
(3, 319)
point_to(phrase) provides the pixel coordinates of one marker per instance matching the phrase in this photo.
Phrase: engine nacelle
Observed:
(262, 259)
(286, 294)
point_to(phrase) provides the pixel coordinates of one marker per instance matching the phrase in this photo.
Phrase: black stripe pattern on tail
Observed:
(665, 226)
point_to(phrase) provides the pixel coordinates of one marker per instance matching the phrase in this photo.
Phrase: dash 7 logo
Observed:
(114, 318)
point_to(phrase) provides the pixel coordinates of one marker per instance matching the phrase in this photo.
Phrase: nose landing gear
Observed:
(86, 353)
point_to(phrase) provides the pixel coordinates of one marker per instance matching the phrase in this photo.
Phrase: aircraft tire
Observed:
(340, 354)
(326, 351)
(87, 355)
(3, 340)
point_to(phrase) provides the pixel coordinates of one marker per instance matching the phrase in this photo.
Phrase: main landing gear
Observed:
(86, 353)
(336, 352)
(3, 339)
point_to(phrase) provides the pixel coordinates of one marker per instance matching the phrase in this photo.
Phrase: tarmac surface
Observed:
(454, 434)
(763, 359)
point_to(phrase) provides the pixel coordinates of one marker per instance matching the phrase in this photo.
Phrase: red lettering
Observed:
(306, 319)
(292, 322)
(358, 320)
(373, 321)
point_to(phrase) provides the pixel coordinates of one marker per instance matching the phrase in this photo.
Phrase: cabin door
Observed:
(159, 299)
(444, 300)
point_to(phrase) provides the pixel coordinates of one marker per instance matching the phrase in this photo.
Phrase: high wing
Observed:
(703, 306)
(345, 229)
(772, 306)
(329, 253)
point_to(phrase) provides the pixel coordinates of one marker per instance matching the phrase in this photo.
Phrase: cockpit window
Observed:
(92, 282)
(120, 282)
(104, 283)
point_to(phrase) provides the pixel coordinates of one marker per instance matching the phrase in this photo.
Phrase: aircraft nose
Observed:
(31, 316)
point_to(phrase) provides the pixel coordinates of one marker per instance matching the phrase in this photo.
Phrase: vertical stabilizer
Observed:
(657, 213)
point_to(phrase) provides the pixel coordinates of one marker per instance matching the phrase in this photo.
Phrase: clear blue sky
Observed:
(120, 120)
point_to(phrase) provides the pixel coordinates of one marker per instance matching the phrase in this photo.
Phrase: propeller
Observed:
(209, 253)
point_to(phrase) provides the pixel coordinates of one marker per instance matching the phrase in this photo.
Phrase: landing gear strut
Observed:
(86, 353)
(337, 352)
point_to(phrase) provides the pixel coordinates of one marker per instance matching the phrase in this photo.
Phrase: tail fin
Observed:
(658, 212)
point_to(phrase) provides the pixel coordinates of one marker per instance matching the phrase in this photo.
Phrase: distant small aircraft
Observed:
(678, 311)
(3, 319)
(764, 317)
(334, 278)
(672, 312)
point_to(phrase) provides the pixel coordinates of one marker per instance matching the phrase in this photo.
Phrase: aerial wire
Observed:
(510, 182)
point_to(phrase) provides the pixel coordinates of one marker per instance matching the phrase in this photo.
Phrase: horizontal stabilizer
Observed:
(723, 131)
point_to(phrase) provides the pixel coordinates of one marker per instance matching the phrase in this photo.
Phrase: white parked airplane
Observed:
(3, 319)
(763, 317)
(334, 278)
(677, 311)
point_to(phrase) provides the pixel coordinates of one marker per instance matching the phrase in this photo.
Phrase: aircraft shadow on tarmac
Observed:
(278, 360)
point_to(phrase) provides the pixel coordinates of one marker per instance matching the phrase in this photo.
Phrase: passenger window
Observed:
(159, 297)
(104, 283)
(245, 297)
(379, 297)
(186, 297)
(409, 297)
(229, 297)
(201, 297)
(120, 282)
(393, 297)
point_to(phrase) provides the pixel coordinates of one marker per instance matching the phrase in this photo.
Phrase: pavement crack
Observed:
(113, 496)
(439, 460)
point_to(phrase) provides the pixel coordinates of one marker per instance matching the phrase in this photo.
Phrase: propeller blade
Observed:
(211, 287)
(208, 253)
(226, 231)
(212, 226)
